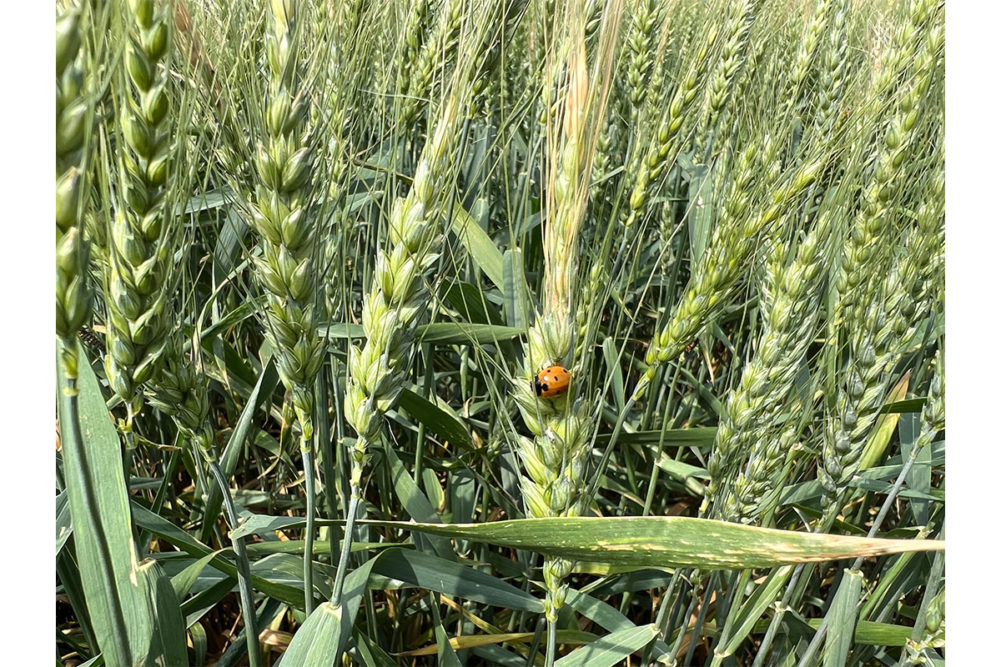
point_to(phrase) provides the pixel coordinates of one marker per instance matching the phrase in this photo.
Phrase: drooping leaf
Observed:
(703, 436)
(469, 301)
(320, 638)
(266, 383)
(162, 528)
(168, 635)
(668, 541)
(606, 616)
(755, 606)
(229, 244)
(64, 523)
(516, 299)
(447, 657)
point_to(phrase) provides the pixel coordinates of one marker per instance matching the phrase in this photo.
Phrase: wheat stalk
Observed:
(411, 41)
(73, 121)
(869, 306)
(833, 71)
(665, 144)
(397, 297)
(806, 51)
(398, 294)
(639, 74)
(140, 272)
(344, 80)
(732, 243)
(434, 55)
(555, 459)
(751, 428)
(735, 33)
(640, 62)
(488, 86)
(179, 389)
(279, 213)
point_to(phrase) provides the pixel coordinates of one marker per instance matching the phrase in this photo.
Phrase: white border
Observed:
(973, 242)
(27, 209)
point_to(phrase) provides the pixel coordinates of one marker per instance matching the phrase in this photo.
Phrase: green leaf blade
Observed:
(669, 541)
(610, 649)
(102, 528)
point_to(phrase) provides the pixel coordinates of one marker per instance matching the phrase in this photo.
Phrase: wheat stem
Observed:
(732, 243)
(73, 120)
(140, 272)
(749, 429)
(342, 563)
(555, 459)
(398, 294)
(871, 308)
(280, 215)
(243, 569)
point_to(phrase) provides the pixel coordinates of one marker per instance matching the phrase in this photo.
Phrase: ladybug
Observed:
(551, 382)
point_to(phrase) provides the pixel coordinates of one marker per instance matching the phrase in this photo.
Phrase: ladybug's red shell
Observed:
(551, 382)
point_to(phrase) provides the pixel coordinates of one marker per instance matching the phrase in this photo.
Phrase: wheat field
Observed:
(500, 333)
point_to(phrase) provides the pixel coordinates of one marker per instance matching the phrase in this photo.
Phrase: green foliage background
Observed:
(310, 256)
